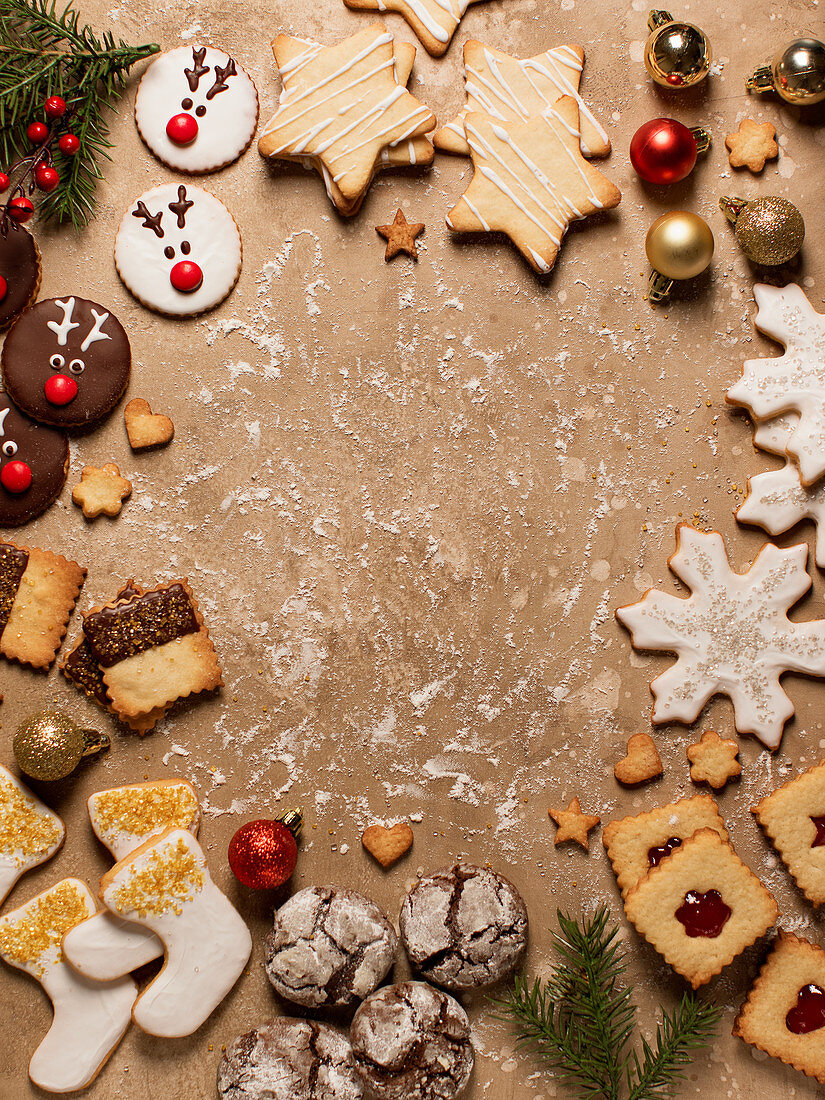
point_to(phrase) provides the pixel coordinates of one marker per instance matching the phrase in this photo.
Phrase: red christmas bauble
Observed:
(55, 107)
(4, 288)
(186, 276)
(46, 177)
(20, 209)
(182, 129)
(60, 389)
(16, 477)
(37, 132)
(68, 144)
(663, 151)
(263, 854)
(4, 182)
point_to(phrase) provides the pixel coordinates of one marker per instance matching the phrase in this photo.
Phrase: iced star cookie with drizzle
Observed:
(434, 21)
(196, 109)
(30, 833)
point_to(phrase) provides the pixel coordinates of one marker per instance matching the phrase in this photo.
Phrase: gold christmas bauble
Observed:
(50, 745)
(770, 230)
(799, 72)
(679, 245)
(677, 55)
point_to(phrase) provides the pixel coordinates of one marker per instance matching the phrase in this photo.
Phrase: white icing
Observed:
(96, 332)
(224, 132)
(121, 844)
(3, 414)
(90, 1018)
(215, 247)
(731, 636)
(14, 862)
(64, 326)
(777, 500)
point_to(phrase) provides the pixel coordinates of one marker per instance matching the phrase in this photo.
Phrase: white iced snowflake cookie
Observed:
(732, 635)
(178, 250)
(196, 109)
(165, 885)
(90, 1018)
(793, 382)
(29, 832)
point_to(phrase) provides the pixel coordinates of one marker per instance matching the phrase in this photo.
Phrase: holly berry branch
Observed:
(57, 79)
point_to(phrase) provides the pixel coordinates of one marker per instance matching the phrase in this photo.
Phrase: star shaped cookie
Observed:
(713, 760)
(342, 107)
(573, 824)
(101, 491)
(512, 89)
(434, 21)
(400, 236)
(530, 181)
(752, 144)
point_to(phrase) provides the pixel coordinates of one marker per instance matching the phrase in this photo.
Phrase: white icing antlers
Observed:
(66, 325)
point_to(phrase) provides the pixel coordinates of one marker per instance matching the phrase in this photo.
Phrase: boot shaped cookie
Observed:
(29, 832)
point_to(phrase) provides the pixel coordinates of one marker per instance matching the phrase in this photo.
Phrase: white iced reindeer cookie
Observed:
(105, 947)
(90, 1018)
(29, 832)
(196, 109)
(165, 885)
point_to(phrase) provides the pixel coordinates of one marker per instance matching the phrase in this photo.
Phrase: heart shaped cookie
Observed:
(387, 845)
(144, 428)
(642, 762)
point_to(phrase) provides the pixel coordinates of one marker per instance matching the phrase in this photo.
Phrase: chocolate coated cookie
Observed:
(289, 1060)
(412, 1042)
(329, 946)
(464, 927)
(19, 273)
(34, 463)
(66, 362)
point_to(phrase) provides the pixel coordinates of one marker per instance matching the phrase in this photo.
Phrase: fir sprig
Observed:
(45, 53)
(581, 1020)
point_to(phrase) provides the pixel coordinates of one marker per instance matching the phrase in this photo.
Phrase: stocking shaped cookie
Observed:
(90, 1018)
(165, 885)
(105, 947)
(29, 832)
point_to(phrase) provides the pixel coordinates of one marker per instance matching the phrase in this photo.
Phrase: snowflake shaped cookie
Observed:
(794, 382)
(732, 635)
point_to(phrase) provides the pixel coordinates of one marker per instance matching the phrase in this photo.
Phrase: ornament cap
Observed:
(761, 80)
(732, 206)
(658, 287)
(294, 821)
(95, 742)
(702, 137)
(658, 18)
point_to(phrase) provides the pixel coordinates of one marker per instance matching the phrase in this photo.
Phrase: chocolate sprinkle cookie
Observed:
(329, 946)
(464, 927)
(412, 1042)
(289, 1060)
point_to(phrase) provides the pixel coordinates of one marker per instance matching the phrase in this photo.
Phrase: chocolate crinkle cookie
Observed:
(329, 946)
(412, 1042)
(464, 927)
(289, 1060)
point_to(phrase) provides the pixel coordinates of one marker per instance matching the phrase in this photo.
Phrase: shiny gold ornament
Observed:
(679, 245)
(677, 55)
(770, 231)
(797, 73)
(50, 745)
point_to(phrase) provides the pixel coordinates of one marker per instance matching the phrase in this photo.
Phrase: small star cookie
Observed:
(573, 824)
(713, 760)
(101, 491)
(752, 144)
(400, 236)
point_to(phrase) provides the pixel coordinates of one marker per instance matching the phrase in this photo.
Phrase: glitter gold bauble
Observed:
(677, 54)
(50, 745)
(797, 73)
(770, 231)
(679, 245)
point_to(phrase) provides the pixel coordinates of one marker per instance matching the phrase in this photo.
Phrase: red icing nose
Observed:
(4, 287)
(60, 389)
(186, 276)
(182, 129)
(16, 477)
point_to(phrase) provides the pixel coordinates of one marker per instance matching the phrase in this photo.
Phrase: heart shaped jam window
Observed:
(703, 914)
(819, 839)
(656, 855)
(808, 1014)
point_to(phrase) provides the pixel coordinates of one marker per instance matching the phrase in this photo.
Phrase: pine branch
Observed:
(688, 1027)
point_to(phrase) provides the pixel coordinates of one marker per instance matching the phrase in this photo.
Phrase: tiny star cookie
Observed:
(196, 109)
(434, 21)
(732, 635)
(400, 236)
(178, 250)
(530, 181)
(752, 144)
(90, 1018)
(713, 760)
(101, 491)
(642, 762)
(146, 429)
(510, 89)
(30, 833)
(792, 383)
(573, 824)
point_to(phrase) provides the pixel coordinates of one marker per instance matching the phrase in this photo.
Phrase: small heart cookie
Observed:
(144, 428)
(387, 845)
(642, 762)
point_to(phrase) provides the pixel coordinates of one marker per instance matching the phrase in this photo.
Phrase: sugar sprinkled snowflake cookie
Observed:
(732, 635)
(793, 382)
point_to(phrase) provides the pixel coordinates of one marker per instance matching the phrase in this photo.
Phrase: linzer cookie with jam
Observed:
(793, 816)
(701, 907)
(38, 591)
(784, 1013)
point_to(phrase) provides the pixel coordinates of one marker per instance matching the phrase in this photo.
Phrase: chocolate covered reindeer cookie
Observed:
(34, 462)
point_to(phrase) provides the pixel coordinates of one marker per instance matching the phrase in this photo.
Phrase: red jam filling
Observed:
(703, 914)
(819, 839)
(808, 1014)
(656, 855)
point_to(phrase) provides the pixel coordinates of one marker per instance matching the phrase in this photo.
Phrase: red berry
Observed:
(46, 177)
(4, 182)
(37, 132)
(4, 287)
(60, 389)
(182, 129)
(16, 477)
(68, 144)
(186, 276)
(20, 209)
(55, 107)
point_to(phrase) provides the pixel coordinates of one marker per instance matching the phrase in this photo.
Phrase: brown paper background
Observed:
(409, 498)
